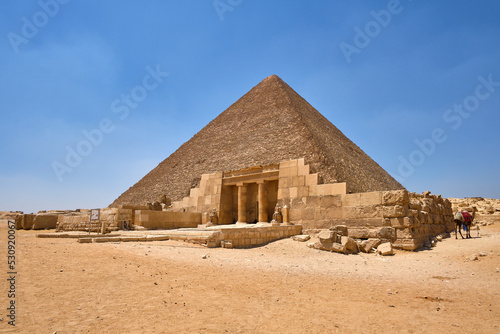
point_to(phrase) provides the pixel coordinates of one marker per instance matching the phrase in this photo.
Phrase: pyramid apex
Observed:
(272, 77)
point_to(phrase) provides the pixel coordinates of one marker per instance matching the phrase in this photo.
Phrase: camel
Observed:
(459, 221)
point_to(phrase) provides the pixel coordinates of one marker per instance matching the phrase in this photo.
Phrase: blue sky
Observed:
(122, 84)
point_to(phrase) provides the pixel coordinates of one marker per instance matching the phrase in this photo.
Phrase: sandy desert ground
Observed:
(283, 287)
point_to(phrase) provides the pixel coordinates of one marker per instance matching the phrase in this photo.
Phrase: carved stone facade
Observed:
(251, 195)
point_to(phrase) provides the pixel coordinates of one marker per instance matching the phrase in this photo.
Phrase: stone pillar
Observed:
(242, 203)
(262, 196)
(286, 215)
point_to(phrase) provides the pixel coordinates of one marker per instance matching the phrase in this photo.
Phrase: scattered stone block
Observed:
(350, 246)
(366, 246)
(213, 243)
(301, 237)
(327, 236)
(327, 246)
(340, 229)
(339, 248)
(385, 249)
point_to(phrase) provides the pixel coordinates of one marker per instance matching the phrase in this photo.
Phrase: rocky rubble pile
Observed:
(9, 214)
(485, 206)
(336, 239)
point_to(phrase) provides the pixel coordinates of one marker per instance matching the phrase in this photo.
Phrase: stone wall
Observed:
(405, 219)
(36, 221)
(113, 218)
(204, 198)
(24, 221)
(255, 235)
(296, 182)
(166, 219)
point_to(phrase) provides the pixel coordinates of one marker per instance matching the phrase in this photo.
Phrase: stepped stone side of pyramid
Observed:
(268, 125)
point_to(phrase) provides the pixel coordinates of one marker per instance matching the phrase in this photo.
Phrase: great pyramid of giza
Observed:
(269, 124)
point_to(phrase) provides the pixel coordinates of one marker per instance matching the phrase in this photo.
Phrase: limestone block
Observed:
(369, 245)
(415, 205)
(397, 222)
(313, 190)
(388, 233)
(341, 230)
(405, 233)
(350, 246)
(307, 214)
(331, 200)
(407, 244)
(385, 249)
(284, 182)
(302, 191)
(412, 213)
(334, 213)
(319, 214)
(301, 237)
(297, 203)
(350, 212)
(284, 193)
(363, 222)
(394, 211)
(287, 164)
(426, 208)
(327, 236)
(313, 201)
(350, 200)
(422, 217)
(396, 197)
(362, 199)
(412, 222)
(312, 179)
(218, 180)
(332, 189)
(226, 244)
(363, 232)
(288, 171)
(295, 214)
(338, 248)
(327, 246)
(404, 222)
(294, 192)
(303, 170)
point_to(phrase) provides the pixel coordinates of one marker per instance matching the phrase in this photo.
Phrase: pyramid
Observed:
(269, 124)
